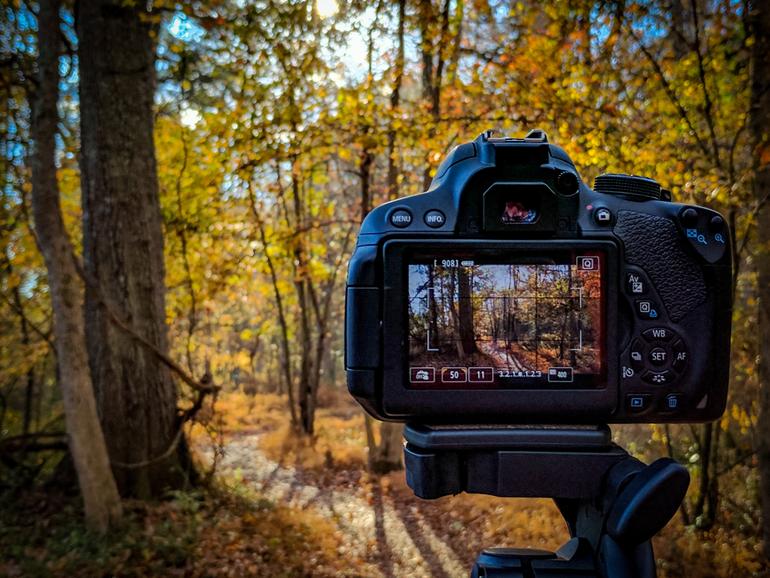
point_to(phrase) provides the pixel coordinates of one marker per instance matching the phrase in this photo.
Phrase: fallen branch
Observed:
(31, 442)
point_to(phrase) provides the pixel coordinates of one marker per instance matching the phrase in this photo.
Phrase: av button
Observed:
(635, 284)
(434, 218)
(401, 218)
(658, 377)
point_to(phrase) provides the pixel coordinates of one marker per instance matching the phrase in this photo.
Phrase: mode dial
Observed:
(631, 187)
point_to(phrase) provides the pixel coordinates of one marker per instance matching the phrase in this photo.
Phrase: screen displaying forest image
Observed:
(504, 324)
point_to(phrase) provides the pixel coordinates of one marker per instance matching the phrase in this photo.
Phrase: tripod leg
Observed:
(631, 561)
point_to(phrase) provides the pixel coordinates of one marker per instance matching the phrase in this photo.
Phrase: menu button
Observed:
(401, 218)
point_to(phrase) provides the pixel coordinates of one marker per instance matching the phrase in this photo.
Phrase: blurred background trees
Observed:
(277, 126)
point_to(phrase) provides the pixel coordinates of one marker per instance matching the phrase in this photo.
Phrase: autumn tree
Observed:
(123, 248)
(759, 121)
(86, 441)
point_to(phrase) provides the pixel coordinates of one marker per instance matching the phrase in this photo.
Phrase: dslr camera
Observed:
(512, 293)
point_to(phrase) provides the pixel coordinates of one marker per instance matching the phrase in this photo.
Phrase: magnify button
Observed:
(702, 239)
(719, 238)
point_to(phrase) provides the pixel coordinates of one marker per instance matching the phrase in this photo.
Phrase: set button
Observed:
(658, 356)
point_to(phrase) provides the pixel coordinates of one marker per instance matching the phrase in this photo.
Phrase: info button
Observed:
(434, 218)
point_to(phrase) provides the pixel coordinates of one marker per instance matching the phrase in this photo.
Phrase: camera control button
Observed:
(637, 354)
(689, 217)
(635, 284)
(658, 377)
(716, 224)
(401, 218)
(638, 402)
(671, 403)
(434, 218)
(647, 309)
(658, 356)
(658, 334)
(680, 355)
(603, 216)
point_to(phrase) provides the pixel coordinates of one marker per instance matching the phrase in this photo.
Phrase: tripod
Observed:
(613, 503)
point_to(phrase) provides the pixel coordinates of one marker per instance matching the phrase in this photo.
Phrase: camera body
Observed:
(511, 292)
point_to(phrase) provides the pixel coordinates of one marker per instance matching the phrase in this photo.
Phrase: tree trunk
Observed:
(395, 101)
(387, 456)
(123, 245)
(86, 440)
(465, 312)
(759, 121)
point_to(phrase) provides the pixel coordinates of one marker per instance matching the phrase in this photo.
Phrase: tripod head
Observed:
(613, 503)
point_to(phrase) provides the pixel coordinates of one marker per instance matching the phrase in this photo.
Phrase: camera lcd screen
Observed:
(485, 322)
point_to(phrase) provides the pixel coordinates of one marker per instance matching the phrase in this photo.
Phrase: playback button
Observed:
(637, 402)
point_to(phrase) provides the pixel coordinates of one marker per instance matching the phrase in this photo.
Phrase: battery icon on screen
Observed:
(466, 263)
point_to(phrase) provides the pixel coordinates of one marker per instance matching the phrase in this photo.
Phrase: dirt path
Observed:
(394, 538)
(502, 357)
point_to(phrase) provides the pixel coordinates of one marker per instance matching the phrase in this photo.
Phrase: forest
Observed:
(521, 318)
(182, 185)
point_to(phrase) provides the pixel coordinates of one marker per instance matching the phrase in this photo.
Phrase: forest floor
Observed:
(380, 523)
(283, 505)
(383, 530)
